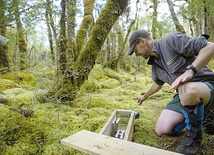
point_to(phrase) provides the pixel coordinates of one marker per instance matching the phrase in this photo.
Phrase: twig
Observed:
(89, 98)
(171, 144)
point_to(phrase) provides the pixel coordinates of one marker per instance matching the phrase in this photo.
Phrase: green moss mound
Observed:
(7, 84)
(22, 79)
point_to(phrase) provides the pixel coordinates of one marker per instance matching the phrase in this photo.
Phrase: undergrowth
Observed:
(31, 126)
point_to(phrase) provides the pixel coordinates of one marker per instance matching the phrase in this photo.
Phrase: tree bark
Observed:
(178, 26)
(4, 63)
(71, 42)
(62, 42)
(55, 35)
(87, 19)
(22, 45)
(154, 18)
(208, 18)
(50, 36)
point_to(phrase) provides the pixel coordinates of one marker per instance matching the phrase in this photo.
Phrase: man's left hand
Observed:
(187, 75)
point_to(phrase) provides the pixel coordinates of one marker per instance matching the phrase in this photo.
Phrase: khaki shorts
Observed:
(174, 104)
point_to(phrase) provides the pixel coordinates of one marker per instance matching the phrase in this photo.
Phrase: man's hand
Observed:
(153, 89)
(141, 99)
(182, 79)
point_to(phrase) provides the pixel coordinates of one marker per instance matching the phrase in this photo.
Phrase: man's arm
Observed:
(153, 89)
(203, 58)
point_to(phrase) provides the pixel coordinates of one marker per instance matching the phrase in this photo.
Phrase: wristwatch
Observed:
(192, 68)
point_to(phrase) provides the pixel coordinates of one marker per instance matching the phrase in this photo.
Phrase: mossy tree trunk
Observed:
(62, 42)
(122, 52)
(22, 45)
(154, 18)
(80, 70)
(178, 26)
(87, 19)
(54, 32)
(50, 35)
(208, 18)
(71, 43)
(115, 61)
(4, 63)
(195, 24)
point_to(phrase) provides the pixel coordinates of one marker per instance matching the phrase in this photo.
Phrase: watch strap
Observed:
(192, 68)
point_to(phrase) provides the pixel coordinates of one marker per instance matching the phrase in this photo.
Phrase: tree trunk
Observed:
(154, 18)
(86, 60)
(22, 45)
(178, 26)
(208, 18)
(71, 42)
(114, 62)
(55, 35)
(4, 63)
(50, 36)
(62, 42)
(87, 19)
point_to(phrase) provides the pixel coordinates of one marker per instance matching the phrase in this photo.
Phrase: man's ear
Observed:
(143, 40)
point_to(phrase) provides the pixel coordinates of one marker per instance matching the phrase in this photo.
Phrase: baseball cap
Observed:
(135, 36)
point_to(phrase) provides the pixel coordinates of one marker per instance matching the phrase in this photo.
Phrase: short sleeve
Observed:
(156, 80)
(188, 46)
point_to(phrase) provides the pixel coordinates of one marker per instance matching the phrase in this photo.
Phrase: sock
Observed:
(194, 115)
(179, 127)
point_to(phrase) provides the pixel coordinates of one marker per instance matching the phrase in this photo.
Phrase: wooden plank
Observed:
(98, 144)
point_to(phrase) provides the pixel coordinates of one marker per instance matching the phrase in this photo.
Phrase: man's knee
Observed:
(186, 90)
(167, 121)
(161, 130)
(188, 94)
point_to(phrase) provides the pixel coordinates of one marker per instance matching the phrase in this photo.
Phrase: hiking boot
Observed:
(209, 122)
(194, 116)
(191, 143)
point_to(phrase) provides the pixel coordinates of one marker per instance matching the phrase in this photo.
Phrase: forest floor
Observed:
(32, 126)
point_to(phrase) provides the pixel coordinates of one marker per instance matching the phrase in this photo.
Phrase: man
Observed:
(181, 62)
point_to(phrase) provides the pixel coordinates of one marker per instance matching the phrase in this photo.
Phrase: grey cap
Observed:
(135, 36)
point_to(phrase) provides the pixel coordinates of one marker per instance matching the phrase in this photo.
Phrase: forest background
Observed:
(64, 67)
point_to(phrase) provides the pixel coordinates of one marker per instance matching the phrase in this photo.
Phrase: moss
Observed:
(112, 74)
(7, 84)
(18, 96)
(96, 73)
(52, 121)
(89, 86)
(88, 7)
(128, 67)
(18, 131)
(41, 96)
(23, 79)
(109, 83)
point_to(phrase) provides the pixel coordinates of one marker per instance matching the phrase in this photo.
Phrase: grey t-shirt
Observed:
(175, 52)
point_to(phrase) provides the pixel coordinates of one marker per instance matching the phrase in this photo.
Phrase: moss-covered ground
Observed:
(31, 126)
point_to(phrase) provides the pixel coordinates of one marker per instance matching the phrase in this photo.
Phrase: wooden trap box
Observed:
(120, 125)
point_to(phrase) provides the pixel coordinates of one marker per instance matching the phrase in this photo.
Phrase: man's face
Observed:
(142, 48)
